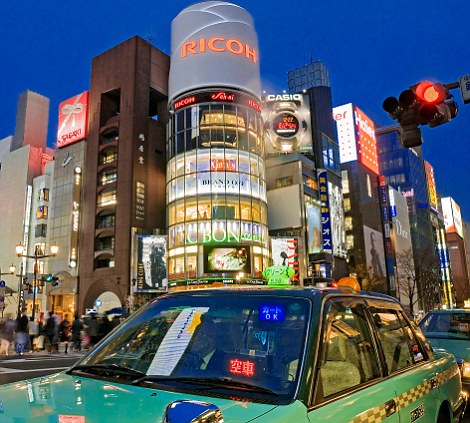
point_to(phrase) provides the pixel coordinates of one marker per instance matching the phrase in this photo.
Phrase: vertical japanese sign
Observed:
(77, 185)
(325, 210)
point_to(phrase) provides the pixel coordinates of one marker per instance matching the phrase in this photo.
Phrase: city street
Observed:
(14, 367)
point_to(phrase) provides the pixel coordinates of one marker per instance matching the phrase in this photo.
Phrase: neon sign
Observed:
(218, 45)
(222, 96)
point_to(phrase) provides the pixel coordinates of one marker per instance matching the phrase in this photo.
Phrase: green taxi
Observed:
(251, 355)
(450, 330)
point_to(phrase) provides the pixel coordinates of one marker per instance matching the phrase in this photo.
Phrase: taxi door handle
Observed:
(390, 407)
(433, 383)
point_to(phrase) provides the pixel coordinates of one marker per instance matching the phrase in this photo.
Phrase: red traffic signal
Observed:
(431, 93)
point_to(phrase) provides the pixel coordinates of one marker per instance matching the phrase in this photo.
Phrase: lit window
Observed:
(42, 212)
(347, 204)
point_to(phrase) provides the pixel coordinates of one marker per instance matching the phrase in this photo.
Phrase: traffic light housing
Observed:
(54, 280)
(425, 103)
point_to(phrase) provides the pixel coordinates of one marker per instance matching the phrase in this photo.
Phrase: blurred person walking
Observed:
(33, 330)
(51, 332)
(65, 332)
(77, 327)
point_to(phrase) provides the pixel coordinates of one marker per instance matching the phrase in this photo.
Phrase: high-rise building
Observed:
(124, 171)
(362, 203)
(313, 82)
(455, 235)
(216, 184)
(24, 177)
(404, 170)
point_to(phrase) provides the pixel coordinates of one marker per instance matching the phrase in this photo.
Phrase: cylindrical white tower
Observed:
(216, 187)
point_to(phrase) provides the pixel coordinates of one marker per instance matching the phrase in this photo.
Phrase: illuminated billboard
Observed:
(230, 258)
(344, 117)
(452, 216)
(314, 229)
(338, 230)
(433, 201)
(375, 255)
(151, 263)
(287, 124)
(213, 44)
(285, 252)
(356, 136)
(73, 120)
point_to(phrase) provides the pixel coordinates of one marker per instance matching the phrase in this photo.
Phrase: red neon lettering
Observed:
(250, 53)
(188, 47)
(184, 102)
(254, 105)
(232, 45)
(211, 44)
(229, 44)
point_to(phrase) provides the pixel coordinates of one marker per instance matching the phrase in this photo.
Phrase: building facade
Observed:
(124, 170)
(216, 183)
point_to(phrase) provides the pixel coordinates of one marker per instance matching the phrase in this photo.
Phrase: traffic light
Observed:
(425, 103)
(54, 280)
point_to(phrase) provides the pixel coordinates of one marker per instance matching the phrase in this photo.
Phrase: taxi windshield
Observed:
(253, 343)
(452, 325)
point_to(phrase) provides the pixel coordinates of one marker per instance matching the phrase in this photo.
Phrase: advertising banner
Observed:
(314, 229)
(356, 136)
(214, 44)
(151, 263)
(433, 201)
(338, 231)
(375, 256)
(344, 117)
(366, 142)
(287, 123)
(285, 252)
(73, 120)
(452, 216)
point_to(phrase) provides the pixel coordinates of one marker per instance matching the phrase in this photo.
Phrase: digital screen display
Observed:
(271, 313)
(242, 367)
(234, 258)
(286, 125)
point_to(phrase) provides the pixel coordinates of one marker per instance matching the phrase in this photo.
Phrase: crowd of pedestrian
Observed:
(53, 333)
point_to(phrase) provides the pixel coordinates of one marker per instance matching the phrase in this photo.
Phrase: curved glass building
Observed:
(216, 185)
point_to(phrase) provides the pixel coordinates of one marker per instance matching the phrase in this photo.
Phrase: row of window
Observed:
(215, 125)
(204, 208)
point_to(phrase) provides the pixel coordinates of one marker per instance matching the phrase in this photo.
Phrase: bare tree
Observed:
(418, 279)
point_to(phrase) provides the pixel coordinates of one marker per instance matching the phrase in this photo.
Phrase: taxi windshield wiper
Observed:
(110, 368)
(211, 382)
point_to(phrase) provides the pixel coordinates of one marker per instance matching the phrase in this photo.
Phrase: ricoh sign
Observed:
(213, 44)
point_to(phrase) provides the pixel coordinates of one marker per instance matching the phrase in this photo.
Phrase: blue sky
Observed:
(373, 49)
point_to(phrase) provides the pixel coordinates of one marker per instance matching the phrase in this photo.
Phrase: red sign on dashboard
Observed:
(73, 120)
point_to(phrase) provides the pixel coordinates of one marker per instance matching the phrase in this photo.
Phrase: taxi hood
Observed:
(71, 399)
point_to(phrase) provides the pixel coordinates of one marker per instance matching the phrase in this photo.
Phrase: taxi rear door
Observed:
(409, 367)
(349, 383)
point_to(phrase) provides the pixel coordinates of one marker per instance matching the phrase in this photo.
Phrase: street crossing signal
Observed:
(425, 103)
(54, 280)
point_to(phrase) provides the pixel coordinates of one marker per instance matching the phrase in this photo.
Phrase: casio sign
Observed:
(284, 97)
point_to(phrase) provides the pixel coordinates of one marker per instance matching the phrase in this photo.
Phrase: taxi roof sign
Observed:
(279, 276)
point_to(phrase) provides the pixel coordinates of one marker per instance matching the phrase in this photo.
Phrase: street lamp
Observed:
(20, 249)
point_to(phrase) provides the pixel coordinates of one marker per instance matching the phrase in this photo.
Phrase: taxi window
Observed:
(348, 358)
(399, 344)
